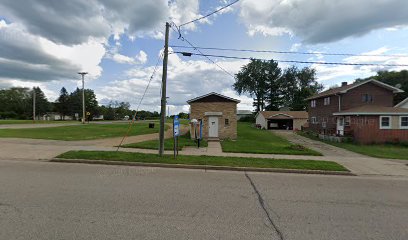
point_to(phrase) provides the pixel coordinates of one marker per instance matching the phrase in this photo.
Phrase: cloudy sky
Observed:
(46, 42)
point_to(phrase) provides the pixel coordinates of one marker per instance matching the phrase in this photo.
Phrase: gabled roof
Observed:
(373, 110)
(344, 89)
(287, 114)
(402, 102)
(206, 98)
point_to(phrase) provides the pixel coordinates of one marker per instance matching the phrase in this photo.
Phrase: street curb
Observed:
(203, 167)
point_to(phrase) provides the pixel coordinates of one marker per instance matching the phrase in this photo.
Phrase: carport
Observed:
(280, 121)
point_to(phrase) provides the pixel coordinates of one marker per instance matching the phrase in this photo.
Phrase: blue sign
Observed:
(176, 126)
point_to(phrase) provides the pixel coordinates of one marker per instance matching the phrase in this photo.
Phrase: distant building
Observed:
(243, 113)
(284, 120)
(219, 115)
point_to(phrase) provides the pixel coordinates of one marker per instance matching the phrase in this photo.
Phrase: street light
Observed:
(83, 96)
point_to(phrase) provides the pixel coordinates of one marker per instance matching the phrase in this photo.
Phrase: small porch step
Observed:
(213, 139)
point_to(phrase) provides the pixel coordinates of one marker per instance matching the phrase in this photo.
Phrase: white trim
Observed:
(280, 114)
(401, 103)
(213, 93)
(390, 121)
(213, 113)
(371, 113)
(400, 123)
(313, 120)
(384, 85)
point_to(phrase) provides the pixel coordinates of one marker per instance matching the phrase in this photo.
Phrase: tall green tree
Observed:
(75, 102)
(42, 106)
(16, 103)
(63, 105)
(252, 79)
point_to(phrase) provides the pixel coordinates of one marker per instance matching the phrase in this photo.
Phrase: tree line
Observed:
(274, 88)
(17, 103)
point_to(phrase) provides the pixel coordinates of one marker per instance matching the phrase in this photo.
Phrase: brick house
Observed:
(362, 110)
(219, 115)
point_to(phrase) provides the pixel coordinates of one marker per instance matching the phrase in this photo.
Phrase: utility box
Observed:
(151, 125)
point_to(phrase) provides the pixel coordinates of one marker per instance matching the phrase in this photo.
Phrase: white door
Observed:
(212, 126)
(340, 126)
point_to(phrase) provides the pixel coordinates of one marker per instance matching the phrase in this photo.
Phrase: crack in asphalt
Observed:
(263, 206)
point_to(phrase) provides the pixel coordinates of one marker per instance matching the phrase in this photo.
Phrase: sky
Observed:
(46, 42)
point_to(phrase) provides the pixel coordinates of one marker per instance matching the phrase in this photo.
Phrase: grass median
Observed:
(205, 160)
(79, 132)
(253, 140)
(183, 141)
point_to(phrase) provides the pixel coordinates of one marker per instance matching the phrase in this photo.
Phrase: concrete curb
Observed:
(203, 167)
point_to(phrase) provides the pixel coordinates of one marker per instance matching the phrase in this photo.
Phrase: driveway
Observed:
(357, 163)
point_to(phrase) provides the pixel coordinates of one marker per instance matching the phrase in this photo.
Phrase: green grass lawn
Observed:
(252, 140)
(2, 122)
(205, 160)
(79, 132)
(392, 151)
(184, 141)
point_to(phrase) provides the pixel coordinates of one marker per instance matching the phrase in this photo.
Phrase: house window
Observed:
(404, 122)
(314, 120)
(324, 124)
(385, 122)
(313, 103)
(327, 101)
(226, 122)
(367, 98)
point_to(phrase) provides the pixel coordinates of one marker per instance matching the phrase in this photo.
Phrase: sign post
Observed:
(176, 133)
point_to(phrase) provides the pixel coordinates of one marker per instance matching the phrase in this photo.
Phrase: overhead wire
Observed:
(291, 61)
(182, 38)
(141, 100)
(290, 52)
(207, 15)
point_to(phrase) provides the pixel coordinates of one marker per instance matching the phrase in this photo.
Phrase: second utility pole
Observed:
(163, 96)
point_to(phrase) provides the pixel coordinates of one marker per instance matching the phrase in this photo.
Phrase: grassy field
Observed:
(252, 140)
(205, 160)
(392, 151)
(2, 122)
(168, 143)
(79, 132)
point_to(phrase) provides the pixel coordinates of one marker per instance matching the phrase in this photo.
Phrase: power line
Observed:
(197, 19)
(293, 61)
(177, 30)
(140, 102)
(291, 52)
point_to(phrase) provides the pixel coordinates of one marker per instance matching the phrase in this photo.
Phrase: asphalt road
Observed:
(43, 200)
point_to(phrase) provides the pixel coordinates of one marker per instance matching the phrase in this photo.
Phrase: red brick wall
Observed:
(324, 112)
(353, 98)
(366, 129)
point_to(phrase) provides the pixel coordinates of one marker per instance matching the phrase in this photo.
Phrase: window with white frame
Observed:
(314, 120)
(385, 122)
(404, 122)
(313, 103)
(327, 101)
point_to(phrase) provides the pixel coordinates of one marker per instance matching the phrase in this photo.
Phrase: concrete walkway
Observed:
(357, 163)
(20, 148)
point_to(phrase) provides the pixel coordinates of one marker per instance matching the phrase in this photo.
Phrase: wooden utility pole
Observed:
(163, 96)
(34, 104)
(83, 96)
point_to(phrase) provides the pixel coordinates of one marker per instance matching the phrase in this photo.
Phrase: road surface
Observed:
(44, 200)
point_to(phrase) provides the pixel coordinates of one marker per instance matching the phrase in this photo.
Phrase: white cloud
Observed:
(186, 79)
(322, 21)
